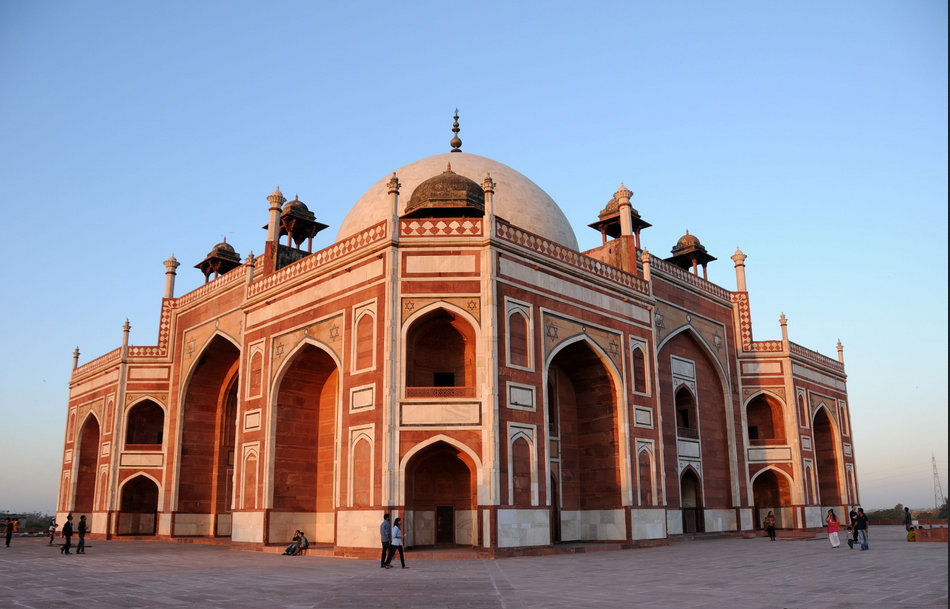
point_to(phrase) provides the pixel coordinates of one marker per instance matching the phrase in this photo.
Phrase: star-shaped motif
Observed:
(551, 331)
(658, 320)
(472, 305)
(279, 350)
(613, 347)
(410, 305)
(334, 332)
(717, 341)
(190, 348)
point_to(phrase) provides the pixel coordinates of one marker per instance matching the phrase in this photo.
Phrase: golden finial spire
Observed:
(456, 142)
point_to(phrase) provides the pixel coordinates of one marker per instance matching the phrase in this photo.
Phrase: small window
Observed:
(443, 379)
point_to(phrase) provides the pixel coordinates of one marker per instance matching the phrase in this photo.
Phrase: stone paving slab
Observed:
(726, 573)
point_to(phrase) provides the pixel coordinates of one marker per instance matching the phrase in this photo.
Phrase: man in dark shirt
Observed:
(81, 546)
(861, 525)
(852, 517)
(67, 535)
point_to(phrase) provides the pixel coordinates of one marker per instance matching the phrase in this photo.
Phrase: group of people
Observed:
(391, 536)
(297, 545)
(67, 534)
(857, 526)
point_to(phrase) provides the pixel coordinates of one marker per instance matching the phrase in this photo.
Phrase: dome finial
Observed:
(456, 142)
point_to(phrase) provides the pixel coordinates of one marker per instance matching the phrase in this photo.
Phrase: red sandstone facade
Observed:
(466, 368)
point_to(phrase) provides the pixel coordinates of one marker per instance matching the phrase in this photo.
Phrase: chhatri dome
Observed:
(518, 200)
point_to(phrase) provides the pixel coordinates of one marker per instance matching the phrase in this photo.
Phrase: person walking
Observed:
(52, 531)
(861, 525)
(770, 525)
(67, 534)
(386, 537)
(852, 531)
(81, 529)
(8, 530)
(396, 545)
(833, 527)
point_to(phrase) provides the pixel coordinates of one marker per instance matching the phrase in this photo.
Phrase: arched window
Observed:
(803, 410)
(765, 420)
(521, 472)
(518, 340)
(440, 356)
(645, 474)
(687, 422)
(639, 370)
(145, 424)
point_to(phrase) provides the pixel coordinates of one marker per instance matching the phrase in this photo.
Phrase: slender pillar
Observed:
(170, 265)
(784, 322)
(393, 190)
(76, 355)
(488, 185)
(125, 339)
(840, 351)
(249, 261)
(739, 259)
(645, 259)
(276, 200)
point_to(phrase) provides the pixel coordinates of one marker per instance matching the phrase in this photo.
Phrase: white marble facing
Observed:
(422, 532)
(247, 526)
(674, 522)
(816, 376)
(152, 459)
(761, 368)
(165, 524)
(642, 417)
(648, 524)
(517, 199)
(440, 413)
(745, 519)
(148, 373)
(317, 526)
(719, 520)
(465, 533)
(688, 449)
(771, 453)
(517, 528)
(94, 382)
(440, 263)
(814, 517)
(224, 525)
(359, 528)
(194, 524)
(593, 525)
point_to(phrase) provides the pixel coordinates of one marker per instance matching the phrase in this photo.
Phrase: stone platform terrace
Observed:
(727, 573)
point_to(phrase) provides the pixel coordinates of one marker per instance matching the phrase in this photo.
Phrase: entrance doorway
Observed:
(691, 503)
(445, 524)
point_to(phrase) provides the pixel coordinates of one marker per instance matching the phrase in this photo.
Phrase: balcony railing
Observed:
(440, 392)
(687, 432)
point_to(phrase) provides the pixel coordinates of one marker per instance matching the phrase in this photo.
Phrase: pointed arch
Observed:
(462, 447)
(86, 462)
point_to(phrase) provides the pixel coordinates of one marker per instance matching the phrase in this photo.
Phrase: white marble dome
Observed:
(517, 199)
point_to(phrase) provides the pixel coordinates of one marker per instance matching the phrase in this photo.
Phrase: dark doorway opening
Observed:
(445, 524)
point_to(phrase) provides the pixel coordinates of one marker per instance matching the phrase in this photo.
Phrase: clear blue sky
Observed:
(811, 134)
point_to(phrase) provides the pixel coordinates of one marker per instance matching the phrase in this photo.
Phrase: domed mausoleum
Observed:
(455, 360)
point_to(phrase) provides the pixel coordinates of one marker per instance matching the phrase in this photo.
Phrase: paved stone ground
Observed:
(725, 573)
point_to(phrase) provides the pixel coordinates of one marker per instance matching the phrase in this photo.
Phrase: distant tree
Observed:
(895, 513)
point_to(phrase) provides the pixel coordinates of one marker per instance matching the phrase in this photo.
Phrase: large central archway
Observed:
(304, 475)
(138, 507)
(582, 428)
(827, 459)
(771, 492)
(207, 442)
(441, 496)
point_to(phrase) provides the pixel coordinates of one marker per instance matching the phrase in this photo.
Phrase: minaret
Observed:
(393, 190)
(456, 142)
(488, 185)
(125, 339)
(623, 200)
(170, 265)
(784, 323)
(840, 351)
(739, 259)
(645, 259)
(276, 199)
(76, 357)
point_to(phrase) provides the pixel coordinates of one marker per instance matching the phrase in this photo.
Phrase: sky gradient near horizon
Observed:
(813, 135)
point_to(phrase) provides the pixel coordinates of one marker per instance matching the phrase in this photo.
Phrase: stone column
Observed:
(249, 261)
(840, 351)
(170, 265)
(276, 200)
(76, 356)
(739, 259)
(784, 322)
(645, 259)
(125, 339)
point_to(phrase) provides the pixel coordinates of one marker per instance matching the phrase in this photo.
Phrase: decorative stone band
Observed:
(351, 244)
(100, 362)
(226, 279)
(448, 227)
(440, 392)
(671, 271)
(566, 255)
